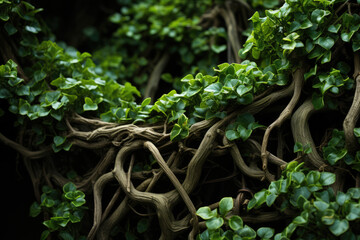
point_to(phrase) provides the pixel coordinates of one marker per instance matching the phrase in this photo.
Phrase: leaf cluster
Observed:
(335, 151)
(145, 29)
(64, 209)
(298, 190)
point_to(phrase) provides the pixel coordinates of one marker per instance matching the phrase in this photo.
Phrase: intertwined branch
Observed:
(185, 165)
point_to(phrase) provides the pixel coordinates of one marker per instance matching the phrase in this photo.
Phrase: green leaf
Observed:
(341, 198)
(339, 227)
(357, 132)
(299, 220)
(89, 105)
(214, 223)
(247, 233)
(176, 130)
(244, 133)
(206, 213)
(69, 187)
(313, 177)
(39, 75)
(215, 88)
(312, 72)
(35, 209)
(334, 28)
(328, 217)
(302, 191)
(242, 89)
(335, 156)
(325, 42)
(298, 147)
(235, 223)
(321, 205)
(232, 135)
(354, 212)
(318, 15)
(218, 48)
(354, 193)
(270, 199)
(58, 140)
(260, 197)
(327, 178)
(225, 205)
(326, 57)
(65, 83)
(346, 36)
(298, 177)
(10, 28)
(317, 101)
(44, 235)
(78, 202)
(265, 232)
(4, 93)
(52, 96)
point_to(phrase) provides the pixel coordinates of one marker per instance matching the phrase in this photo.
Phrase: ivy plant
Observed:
(306, 193)
(64, 209)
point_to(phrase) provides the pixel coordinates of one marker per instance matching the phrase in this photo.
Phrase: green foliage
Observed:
(335, 151)
(242, 127)
(148, 27)
(304, 149)
(58, 81)
(304, 29)
(215, 220)
(64, 80)
(64, 210)
(304, 192)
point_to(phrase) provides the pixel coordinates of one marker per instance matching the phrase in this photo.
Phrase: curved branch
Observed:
(155, 152)
(153, 82)
(285, 114)
(119, 213)
(98, 188)
(24, 151)
(162, 202)
(240, 163)
(231, 24)
(272, 158)
(301, 132)
(354, 111)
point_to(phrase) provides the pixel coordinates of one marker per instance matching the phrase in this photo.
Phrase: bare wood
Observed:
(285, 114)
(352, 116)
(153, 82)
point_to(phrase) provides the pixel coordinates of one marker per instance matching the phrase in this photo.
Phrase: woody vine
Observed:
(277, 125)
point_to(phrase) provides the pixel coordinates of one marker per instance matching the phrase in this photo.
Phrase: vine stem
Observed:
(354, 111)
(301, 132)
(155, 152)
(98, 188)
(229, 18)
(153, 82)
(23, 150)
(285, 114)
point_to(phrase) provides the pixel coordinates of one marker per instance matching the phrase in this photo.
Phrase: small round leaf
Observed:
(235, 222)
(214, 223)
(205, 213)
(265, 232)
(225, 205)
